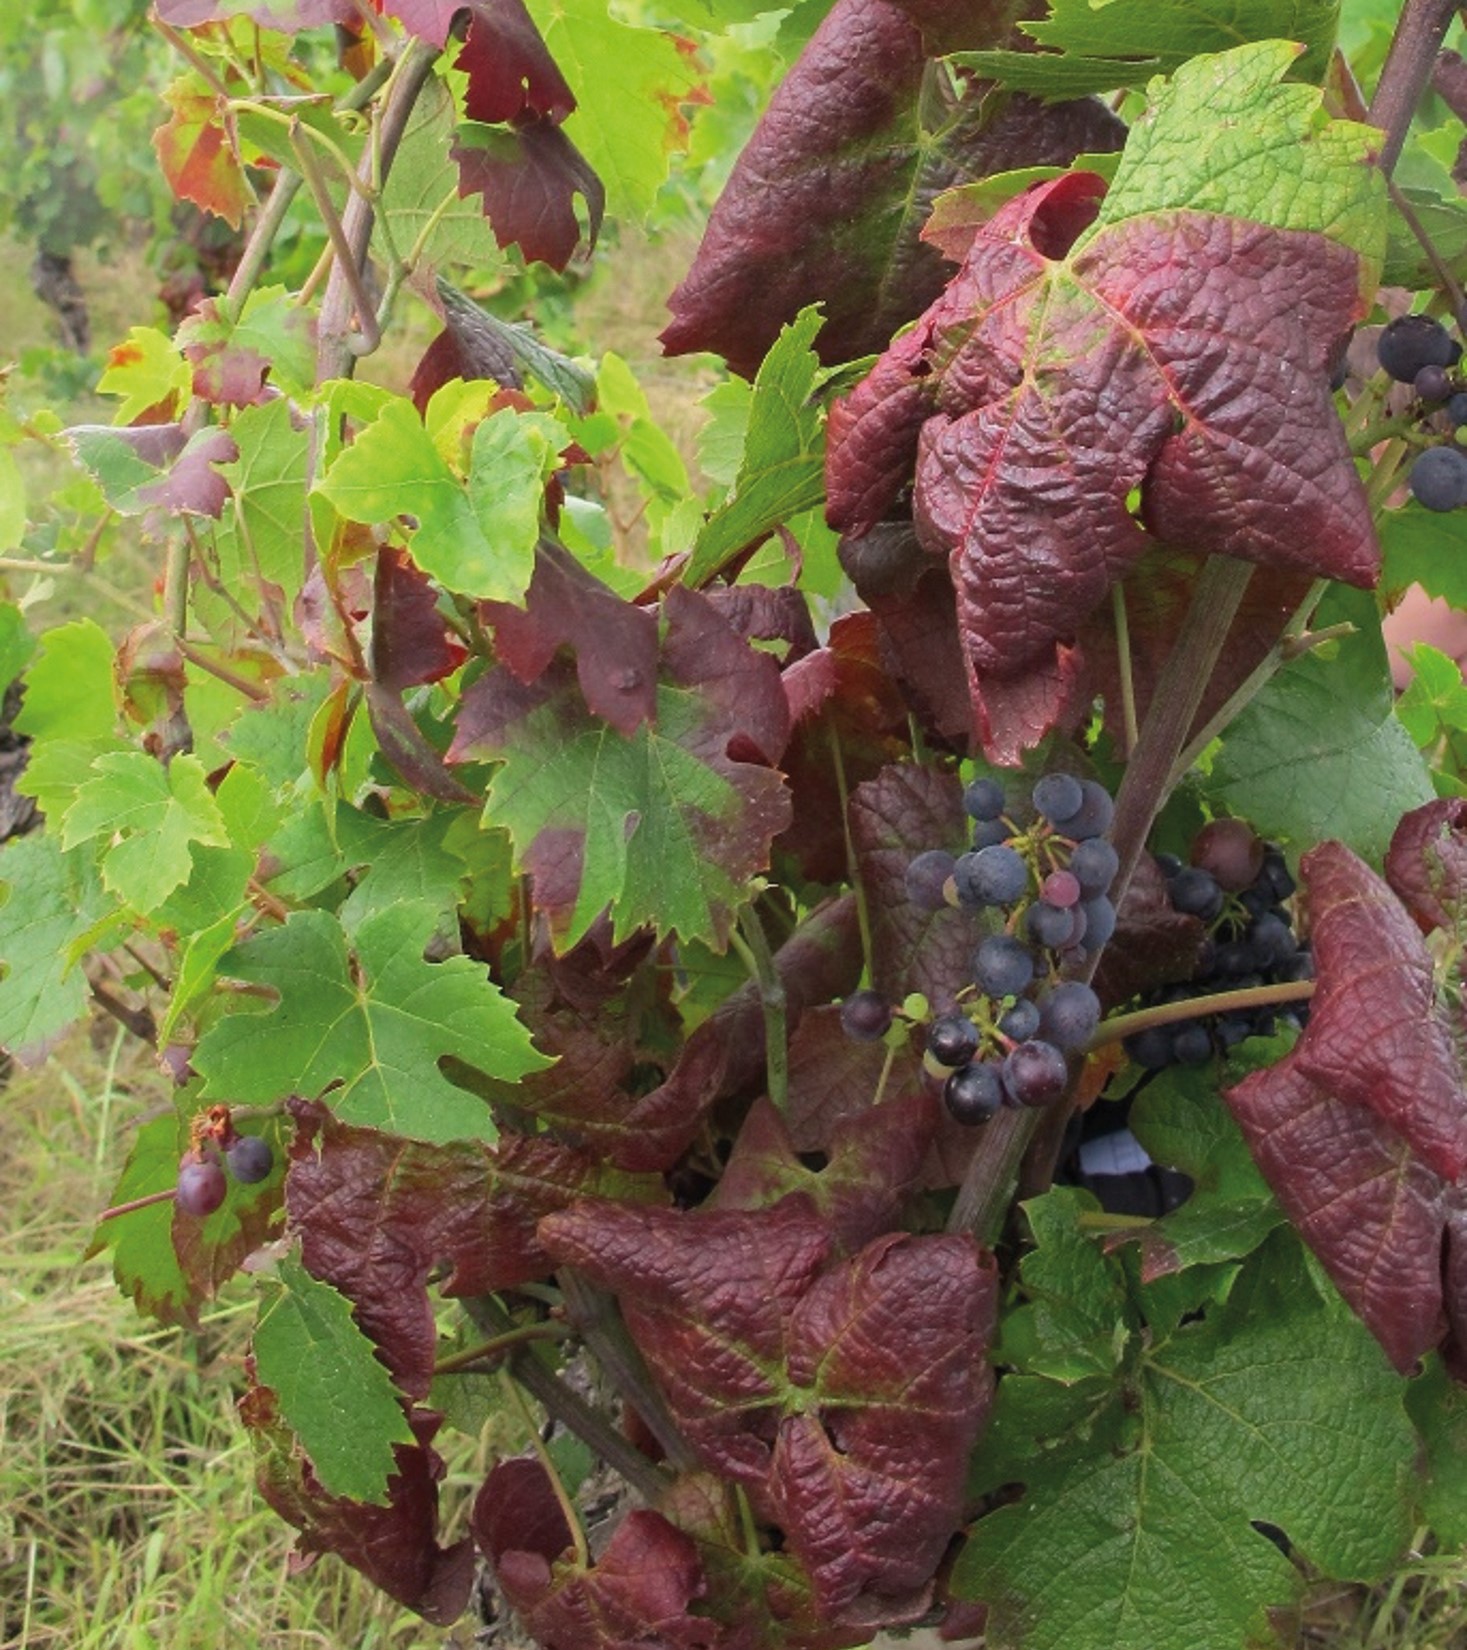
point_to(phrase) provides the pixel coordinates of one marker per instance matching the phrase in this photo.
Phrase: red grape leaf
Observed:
(872, 1162)
(901, 813)
(834, 1079)
(529, 176)
(826, 199)
(411, 643)
(615, 642)
(377, 1215)
(1052, 381)
(846, 1398)
(667, 826)
(430, 20)
(1375, 1036)
(1155, 944)
(196, 156)
(516, 1510)
(512, 76)
(1426, 863)
(395, 1546)
(637, 1593)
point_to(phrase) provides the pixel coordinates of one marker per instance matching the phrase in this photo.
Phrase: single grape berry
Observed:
(201, 1186)
(1002, 966)
(1439, 478)
(952, 1040)
(1095, 814)
(1061, 888)
(1192, 1046)
(1052, 926)
(999, 875)
(1412, 342)
(1432, 384)
(250, 1159)
(1152, 1048)
(1100, 921)
(1057, 797)
(1167, 864)
(1231, 851)
(1020, 1022)
(983, 799)
(865, 1016)
(1196, 892)
(1069, 1015)
(973, 1094)
(988, 833)
(1457, 408)
(1094, 864)
(1035, 1073)
(926, 877)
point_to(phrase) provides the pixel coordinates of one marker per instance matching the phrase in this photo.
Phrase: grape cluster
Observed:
(1240, 887)
(1419, 351)
(202, 1183)
(1007, 1044)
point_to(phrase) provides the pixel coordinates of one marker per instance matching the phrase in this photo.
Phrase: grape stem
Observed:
(752, 944)
(490, 1351)
(1217, 1002)
(137, 1203)
(1420, 30)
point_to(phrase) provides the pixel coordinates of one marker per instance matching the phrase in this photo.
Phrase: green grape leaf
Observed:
(69, 691)
(272, 736)
(408, 861)
(156, 811)
(374, 1018)
(1320, 752)
(147, 371)
(782, 463)
(262, 532)
(661, 826)
(628, 83)
(478, 540)
(332, 1391)
(1438, 1406)
(144, 1262)
(1425, 547)
(17, 645)
(1096, 48)
(1143, 1486)
(50, 899)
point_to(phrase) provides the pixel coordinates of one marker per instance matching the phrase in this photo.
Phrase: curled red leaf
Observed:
(1427, 863)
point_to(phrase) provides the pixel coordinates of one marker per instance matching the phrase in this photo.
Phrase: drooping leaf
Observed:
(1126, 42)
(467, 1208)
(410, 640)
(375, 1019)
(329, 1387)
(781, 468)
(665, 827)
(1161, 297)
(1145, 1481)
(155, 467)
(1320, 752)
(827, 199)
(152, 815)
(1427, 863)
(394, 1546)
(844, 1398)
(511, 74)
(528, 176)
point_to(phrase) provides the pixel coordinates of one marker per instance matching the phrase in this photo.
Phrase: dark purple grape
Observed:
(1272, 940)
(1276, 876)
(1069, 1015)
(1035, 1073)
(1230, 851)
(201, 1186)
(988, 833)
(1061, 888)
(1096, 813)
(1094, 864)
(1002, 967)
(1457, 408)
(1439, 478)
(865, 1016)
(1057, 797)
(1432, 384)
(1100, 921)
(1167, 864)
(1020, 1022)
(998, 876)
(983, 799)
(1192, 1045)
(952, 1040)
(1053, 926)
(973, 1094)
(1152, 1048)
(1196, 892)
(1412, 342)
(926, 878)
(250, 1159)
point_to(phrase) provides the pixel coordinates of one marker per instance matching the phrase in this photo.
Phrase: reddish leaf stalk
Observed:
(368, 335)
(489, 1352)
(1217, 1002)
(137, 1203)
(1407, 73)
(752, 944)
